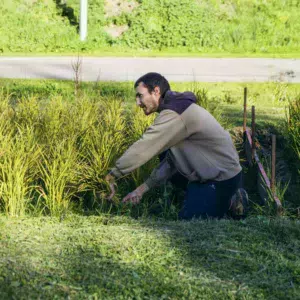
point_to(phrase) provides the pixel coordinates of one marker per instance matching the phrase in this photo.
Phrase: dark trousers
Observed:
(210, 199)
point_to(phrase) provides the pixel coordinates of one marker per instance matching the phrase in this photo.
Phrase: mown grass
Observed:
(121, 258)
(156, 28)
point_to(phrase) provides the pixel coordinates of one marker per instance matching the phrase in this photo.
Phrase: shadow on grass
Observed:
(67, 12)
(158, 260)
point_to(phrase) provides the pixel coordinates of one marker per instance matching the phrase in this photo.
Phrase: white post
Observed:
(83, 19)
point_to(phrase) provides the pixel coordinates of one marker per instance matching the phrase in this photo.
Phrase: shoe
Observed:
(239, 204)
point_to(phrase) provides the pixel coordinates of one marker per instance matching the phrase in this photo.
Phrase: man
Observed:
(191, 142)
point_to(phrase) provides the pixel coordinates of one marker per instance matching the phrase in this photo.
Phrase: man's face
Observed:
(147, 101)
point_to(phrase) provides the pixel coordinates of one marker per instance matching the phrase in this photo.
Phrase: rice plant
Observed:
(55, 153)
(18, 169)
(102, 143)
(59, 171)
(19, 153)
(28, 112)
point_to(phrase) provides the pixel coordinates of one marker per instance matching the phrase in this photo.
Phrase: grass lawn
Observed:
(121, 258)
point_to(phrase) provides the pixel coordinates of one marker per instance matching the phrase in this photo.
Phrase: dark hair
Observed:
(151, 80)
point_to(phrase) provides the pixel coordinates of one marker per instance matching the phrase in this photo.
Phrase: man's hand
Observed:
(133, 197)
(111, 181)
(136, 196)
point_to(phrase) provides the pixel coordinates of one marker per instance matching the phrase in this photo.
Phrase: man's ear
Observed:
(157, 90)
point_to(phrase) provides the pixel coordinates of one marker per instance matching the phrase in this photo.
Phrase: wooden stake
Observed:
(273, 170)
(245, 109)
(253, 131)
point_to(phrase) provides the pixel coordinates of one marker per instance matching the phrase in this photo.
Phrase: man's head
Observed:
(149, 89)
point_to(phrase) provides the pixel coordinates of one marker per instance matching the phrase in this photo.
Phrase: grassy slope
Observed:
(238, 28)
(104, 257)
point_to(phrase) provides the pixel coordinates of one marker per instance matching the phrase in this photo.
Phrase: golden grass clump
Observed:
(56, 151)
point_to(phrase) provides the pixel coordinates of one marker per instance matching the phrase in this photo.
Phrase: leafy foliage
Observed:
(201, 26)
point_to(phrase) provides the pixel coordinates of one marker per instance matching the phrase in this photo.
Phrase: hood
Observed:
(177, 102)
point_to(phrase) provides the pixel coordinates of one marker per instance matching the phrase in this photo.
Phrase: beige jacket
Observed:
(199, 148)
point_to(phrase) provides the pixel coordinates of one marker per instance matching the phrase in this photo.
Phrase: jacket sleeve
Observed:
(165, 170)
(167, 130)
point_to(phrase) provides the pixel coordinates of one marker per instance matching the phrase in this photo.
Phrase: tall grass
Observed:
(59, 170)
(293, 128)
(18, 160)
(17, 174)
(103, 141)
(55, 152)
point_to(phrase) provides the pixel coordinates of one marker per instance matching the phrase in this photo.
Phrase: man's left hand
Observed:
(133, 197)
(111, 181)
(136, 196)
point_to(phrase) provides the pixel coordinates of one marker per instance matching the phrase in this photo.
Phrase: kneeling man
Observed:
(190, 142)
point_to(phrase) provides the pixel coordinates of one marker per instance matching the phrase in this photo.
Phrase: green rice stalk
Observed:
(59, 172)
(55, 121)
(18, 161)
(138, 123)
(28, 112)
(102, 142)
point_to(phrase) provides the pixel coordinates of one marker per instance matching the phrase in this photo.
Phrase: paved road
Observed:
(175, 69)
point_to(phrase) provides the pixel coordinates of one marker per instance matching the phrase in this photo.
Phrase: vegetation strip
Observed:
(60, 138)
(153, 27)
